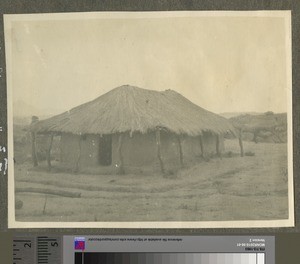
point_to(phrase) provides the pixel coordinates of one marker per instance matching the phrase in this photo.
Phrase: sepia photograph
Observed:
(150, 119)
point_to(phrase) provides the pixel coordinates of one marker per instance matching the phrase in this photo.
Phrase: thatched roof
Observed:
(132, 109)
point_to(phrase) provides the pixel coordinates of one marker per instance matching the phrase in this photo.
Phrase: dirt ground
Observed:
(231, 188)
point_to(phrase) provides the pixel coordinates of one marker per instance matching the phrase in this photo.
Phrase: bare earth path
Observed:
(249, 188)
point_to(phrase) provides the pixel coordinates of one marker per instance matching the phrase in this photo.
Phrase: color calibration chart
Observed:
(169, 250)
(168, 258)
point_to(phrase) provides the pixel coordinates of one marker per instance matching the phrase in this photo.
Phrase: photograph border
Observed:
(157, 225)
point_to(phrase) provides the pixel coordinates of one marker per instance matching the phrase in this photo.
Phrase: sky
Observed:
(221, 63)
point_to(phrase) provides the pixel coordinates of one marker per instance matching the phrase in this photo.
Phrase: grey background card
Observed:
(286, 242)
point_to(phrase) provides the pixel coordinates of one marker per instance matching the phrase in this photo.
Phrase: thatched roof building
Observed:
(268, 127)
(133, 112)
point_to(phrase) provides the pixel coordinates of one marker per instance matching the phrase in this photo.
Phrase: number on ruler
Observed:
(23, 250)
(54, 244)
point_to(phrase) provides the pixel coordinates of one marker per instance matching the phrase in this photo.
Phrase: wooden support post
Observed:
(201, 147)
(255, 134)
(180, 151)
(33, 150)
(157, 134)
(60, 148)
(121, 162)
(218, 146)
(34, 120)
(241, 142)
(49, 152)
(78, 156)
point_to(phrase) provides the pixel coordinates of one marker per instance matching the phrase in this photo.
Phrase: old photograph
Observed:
(150, 119)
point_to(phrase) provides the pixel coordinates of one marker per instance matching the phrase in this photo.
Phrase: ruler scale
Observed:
(37, 250)
(48, 250)
(23, 250)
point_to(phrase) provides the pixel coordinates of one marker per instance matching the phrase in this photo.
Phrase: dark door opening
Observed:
(105, 150)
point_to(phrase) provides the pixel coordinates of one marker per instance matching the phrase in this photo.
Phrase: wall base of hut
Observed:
(139, 152)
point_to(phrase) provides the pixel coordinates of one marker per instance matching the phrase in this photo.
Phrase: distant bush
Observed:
(228, 154)
(183, 206)
(170, 174)
(269, 113)
(267, 127)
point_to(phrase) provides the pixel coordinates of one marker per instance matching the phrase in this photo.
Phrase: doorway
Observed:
(105, 150)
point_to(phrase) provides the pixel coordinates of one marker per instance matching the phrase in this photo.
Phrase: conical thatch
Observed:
(132, 109)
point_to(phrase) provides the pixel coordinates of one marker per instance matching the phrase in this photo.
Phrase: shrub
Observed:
(228, 154)
(249, 153)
